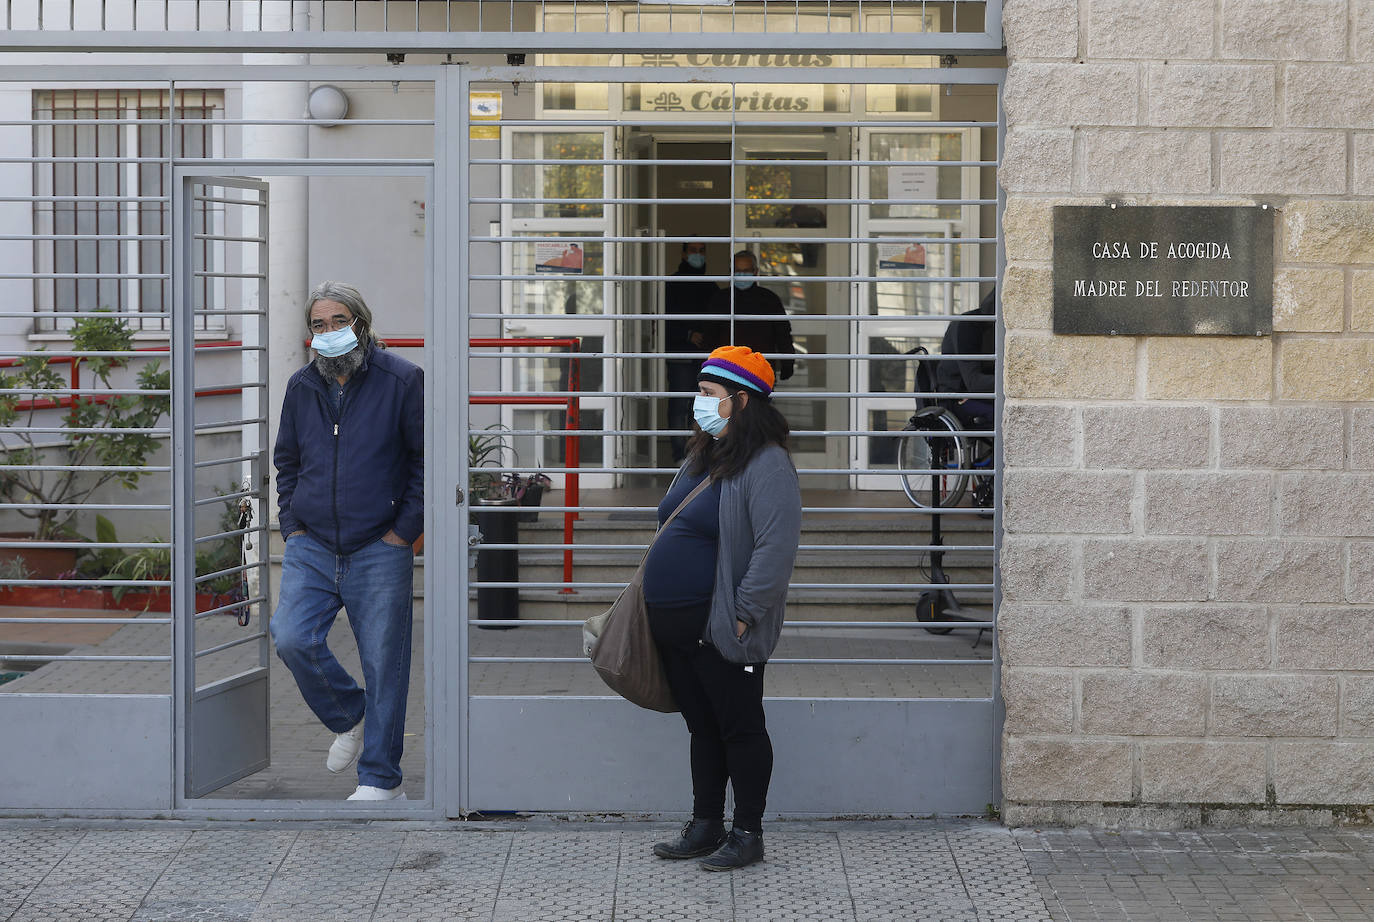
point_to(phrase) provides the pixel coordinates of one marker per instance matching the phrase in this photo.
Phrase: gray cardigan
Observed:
(760, 528)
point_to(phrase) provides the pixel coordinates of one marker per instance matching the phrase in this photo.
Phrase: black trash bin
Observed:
(499, 523)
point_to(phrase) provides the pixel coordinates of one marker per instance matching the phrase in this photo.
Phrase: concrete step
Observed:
(897, 533)
(548, 604)
(901, 560)
(837, 576)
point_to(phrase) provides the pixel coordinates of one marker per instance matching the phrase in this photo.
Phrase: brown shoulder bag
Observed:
(620, 644)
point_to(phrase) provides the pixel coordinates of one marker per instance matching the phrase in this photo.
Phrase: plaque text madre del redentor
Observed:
(1163, 270)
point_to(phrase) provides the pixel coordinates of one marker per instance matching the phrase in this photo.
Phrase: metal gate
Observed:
(224, 722)
(219, 236)
(515, 719)
(563, 311)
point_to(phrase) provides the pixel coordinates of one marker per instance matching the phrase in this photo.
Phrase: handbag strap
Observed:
(696, 491)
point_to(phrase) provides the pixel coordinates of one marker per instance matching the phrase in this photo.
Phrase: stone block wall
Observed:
(1187, 629)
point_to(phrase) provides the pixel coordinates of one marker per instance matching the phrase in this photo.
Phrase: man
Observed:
(686, 297)
(970, 375)
(772, 337)
(350, 487)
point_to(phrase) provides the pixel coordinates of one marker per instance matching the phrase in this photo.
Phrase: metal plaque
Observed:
(1164, 270)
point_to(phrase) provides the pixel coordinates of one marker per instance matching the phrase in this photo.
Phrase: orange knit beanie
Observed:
(738, 365)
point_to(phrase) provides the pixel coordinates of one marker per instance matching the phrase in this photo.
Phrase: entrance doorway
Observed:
(248, 736)
(686, 174)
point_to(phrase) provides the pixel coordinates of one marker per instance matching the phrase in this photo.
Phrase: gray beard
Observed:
(340, 366)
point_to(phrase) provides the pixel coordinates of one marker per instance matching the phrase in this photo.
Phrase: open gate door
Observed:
(221, 440)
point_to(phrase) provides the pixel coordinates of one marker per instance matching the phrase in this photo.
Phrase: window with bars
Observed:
(102, 220)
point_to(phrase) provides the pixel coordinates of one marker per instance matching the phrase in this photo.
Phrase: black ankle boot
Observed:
(740, 849)
(699, 837)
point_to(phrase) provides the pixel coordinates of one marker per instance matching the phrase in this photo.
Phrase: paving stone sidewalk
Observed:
(946, 871)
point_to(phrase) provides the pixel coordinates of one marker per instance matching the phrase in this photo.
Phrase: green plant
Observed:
(487, 450)
(516, 486)
(100, 427)
(14, 568)
(155, 563)
(145, 563)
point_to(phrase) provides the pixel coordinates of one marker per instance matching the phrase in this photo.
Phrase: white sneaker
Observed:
(368, 792)
(345, 749)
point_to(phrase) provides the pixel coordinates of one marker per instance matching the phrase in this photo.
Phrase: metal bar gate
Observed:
(879, 231)
(871, 205)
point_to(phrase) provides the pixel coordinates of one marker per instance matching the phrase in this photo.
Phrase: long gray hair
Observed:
(350, 298)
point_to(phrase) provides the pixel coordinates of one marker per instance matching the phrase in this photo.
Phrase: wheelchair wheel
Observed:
(932, 460)
(980, 459)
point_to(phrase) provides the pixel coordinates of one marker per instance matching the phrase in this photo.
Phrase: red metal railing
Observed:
(571, 442)
(67, 401)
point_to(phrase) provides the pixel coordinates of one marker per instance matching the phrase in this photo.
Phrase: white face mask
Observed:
(336, 342)
(706, 411)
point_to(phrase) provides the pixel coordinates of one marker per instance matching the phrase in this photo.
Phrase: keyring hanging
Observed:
(245, 545)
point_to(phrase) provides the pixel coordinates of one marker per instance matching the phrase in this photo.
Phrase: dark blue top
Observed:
(681, 569)
(351, 467)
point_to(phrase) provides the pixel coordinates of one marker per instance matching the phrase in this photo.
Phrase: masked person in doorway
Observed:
(747, 297)
(690, 295)
(715, 585)
(350, 490)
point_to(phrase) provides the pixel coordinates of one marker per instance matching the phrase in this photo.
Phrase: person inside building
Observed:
(970, 375)
(715, 585)
(748, 297)
(350, 489)
(690, 295)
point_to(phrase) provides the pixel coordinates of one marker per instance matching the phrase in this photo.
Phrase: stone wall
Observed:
(1187, 630)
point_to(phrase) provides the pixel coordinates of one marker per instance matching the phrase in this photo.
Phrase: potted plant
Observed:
(104, 431)
(487, 450)
(528, 491)
(155, 564)
(497, 525)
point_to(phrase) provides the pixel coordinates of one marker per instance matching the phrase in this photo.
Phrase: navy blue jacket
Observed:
(348, 475)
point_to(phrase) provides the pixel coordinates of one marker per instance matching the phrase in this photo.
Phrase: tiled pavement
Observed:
(1256, 875)
(947, 871)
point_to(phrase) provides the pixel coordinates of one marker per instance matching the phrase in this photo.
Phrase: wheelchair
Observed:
(939, 464)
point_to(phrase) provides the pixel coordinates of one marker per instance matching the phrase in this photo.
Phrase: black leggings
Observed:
(722, 704)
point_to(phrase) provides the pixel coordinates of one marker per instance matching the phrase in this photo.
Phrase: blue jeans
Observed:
(374, 584)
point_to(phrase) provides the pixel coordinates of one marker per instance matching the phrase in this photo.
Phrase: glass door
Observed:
(812, 203)
(912, 248)
(554, 287)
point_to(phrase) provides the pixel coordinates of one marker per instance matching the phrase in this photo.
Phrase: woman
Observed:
(715, 584)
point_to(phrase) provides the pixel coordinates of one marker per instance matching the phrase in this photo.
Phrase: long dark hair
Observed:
(752, 426)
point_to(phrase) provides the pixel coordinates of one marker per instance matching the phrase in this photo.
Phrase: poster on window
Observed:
(558, 258)
(907, 183)
(901, 256)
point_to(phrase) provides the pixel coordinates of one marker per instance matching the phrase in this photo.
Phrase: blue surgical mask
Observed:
(335, 342)
(696, 260)
(744, 280)
(706, 411)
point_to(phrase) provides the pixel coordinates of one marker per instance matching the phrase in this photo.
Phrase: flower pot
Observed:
(532, 496)
(154, 599)
(54, 597)
(498, 603)
(42, 562)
